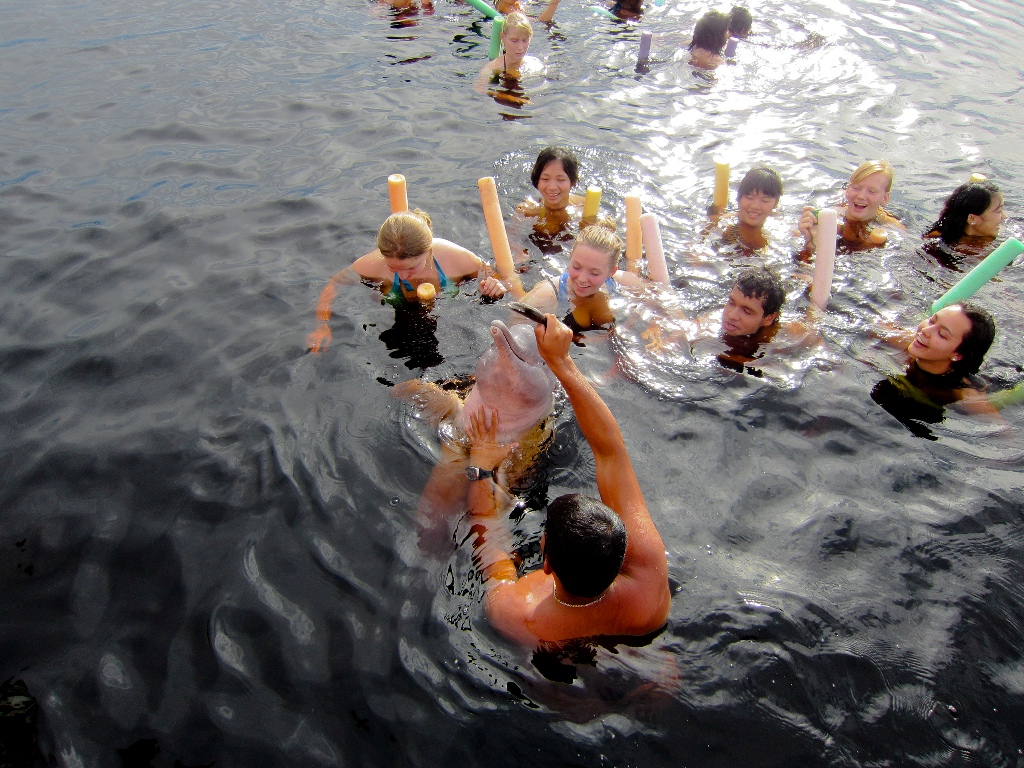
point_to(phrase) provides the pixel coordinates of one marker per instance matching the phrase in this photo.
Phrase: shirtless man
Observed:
(605, 570)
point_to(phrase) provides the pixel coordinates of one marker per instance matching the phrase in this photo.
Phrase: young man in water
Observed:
(749, 319)
(605, 570)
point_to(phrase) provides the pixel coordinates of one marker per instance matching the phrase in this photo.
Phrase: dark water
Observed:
(208, 552)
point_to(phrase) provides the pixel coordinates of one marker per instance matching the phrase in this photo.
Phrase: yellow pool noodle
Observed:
(396, 191)
(634, 235)
(499, 237)
(977, 178)
(592, 203)
(426, 292)
(721, 198)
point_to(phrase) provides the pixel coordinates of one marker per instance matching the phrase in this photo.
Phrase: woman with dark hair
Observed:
(709, 38)
(555, 173)
(945, 352)
(971, 218)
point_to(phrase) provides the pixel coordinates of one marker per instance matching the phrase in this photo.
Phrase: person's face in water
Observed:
(517, 44)
(744, 315)
(407, 269)
(939, 337)
(554, 185)
(987, 224)
(755, 207)
(864, 198)
(588, 269)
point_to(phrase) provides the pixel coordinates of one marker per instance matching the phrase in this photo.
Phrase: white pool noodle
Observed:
(651, 231)
(824, 257)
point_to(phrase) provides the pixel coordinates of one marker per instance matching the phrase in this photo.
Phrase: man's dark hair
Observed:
(762, 284)
(585, 544)
(761, 179)
(569, 163)
(710, 32)
(976, 342)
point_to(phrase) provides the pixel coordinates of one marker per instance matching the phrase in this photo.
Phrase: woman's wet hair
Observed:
(517, 22)
(585, 544)
(870, 167)
(602, 238)
(764, 285)
(740, 21)
(976, 342)
(570, 164)
(760, 180)
(405, 235)
(711, 32)
(974, 197)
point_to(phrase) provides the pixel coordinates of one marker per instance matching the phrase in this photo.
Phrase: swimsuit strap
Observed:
(398, 284)
(440, 274)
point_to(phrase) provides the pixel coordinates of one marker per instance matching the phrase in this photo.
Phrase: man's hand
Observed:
(553, 340)
(485, 450)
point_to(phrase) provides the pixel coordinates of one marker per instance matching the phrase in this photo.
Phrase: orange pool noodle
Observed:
(634, 236)
(721, 198)
(396, 190)
(499, 238)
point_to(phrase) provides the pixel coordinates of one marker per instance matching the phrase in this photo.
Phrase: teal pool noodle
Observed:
(496, 27)
(602, 11)
(980, 275)
(484, 8)
(1011, 396)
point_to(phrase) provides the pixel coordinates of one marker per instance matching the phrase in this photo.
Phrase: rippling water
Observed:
(207, 534)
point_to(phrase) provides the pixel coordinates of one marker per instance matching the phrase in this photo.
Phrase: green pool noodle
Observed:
(980, 275)
(1011, 396)
(496, 27)
(484, 8)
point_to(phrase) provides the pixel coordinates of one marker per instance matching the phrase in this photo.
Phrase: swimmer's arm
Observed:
(548, 14)
(542, 296)
(462, 264)
(486, 73)
(977, 403)
(889, 220)
(320, 338)
(808, 226)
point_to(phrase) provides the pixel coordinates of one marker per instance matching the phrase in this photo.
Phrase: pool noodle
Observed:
(645, 45)
(657, 270)
(496, 28)
(603, 12)
(426, 292)
(721, 198)
(981, 274)
(484, 8)
(592, 203)
(1012, 396)
(397, 193)
(824, 257)
(977, 178)
(634, 238)
(498, 235)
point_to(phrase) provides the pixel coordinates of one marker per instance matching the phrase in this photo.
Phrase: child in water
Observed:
(514, 61)
(970, 219)
(407, 256)
(862, 218)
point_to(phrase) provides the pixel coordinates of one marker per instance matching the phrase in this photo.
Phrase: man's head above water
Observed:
(754, 302)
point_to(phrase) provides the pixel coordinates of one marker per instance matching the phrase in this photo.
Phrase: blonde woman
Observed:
(862, 216)
(514, 61)
(407, 256)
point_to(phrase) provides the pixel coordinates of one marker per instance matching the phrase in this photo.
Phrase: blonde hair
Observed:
(873, 166)
(517, 22)
(405, 235)
(602, 238)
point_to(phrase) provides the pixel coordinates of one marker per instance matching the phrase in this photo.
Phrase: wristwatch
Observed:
(476, 473)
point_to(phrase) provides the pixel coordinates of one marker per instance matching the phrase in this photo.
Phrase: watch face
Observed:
(475, 473)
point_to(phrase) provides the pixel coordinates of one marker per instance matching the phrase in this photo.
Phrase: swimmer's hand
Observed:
(482, 430)
(491, 287)
(655, 342)
(808, 225)
(320, 339)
